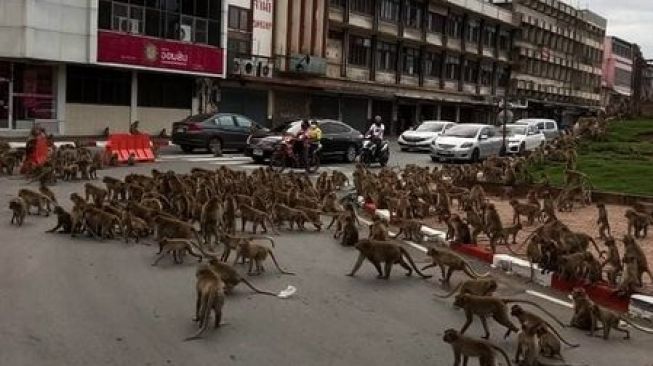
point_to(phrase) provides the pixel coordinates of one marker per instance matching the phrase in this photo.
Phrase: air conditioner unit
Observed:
(248, 67)
(237, 66)
(134, 26)
(185, 33)
(264, 68)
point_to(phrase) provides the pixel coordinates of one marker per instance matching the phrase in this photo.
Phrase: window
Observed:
(436, 22)
(239, 47)
(187, 20)
(410, 61)
(330, 128)
(486, 74)
(225, 121)
(390, 10)
(91, 85)
(504, 40)
(413, 12)
(239, 40)
(238, 19)
(337, 3)
(489, 36)
(243, 122)
(452, 68)
(471, 71)
(473, 32)
(432, 64)
(165, 90)
(386, 56)
(622, 77)
(359, 51)
(454, 26)
(33, 92)
(550, 126)
(362, 6)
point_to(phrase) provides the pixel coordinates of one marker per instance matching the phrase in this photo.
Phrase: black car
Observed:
(215, 132)
(338, 140)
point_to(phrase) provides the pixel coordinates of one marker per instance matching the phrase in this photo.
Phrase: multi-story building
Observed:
(77, 67)
(618, 58)
(353, 59)
(560, 54)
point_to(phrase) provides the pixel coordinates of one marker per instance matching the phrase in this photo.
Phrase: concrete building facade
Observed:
(617, 83)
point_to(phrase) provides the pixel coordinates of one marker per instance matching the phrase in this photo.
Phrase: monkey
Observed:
(602, 222)
(610, 320)
(550, 346)
(116, 188)
(571, 265)
(84, 169)
(582, 318)
(44, 190)
(101, 225)
(176, 247)
(134, 227)
(478, 286)
(637, 222)
(19, 211)
(349, 232)
(465, 347)
(167, 227)
(64, 221)
(256, 254)
(450, 262)
(477, 196)
(493, 224)
(524, 209)
(527, 317)
(504, 234)
(475, 221)
(411, 229)
(113, 159)
(485, 306)
(461, 233)
(633, 250)
(614, 260)
(548, 212)
(231, 277)
(96, 193)
(313, 215)
(389, 253)
(291, 215)
(70, 172)
(210, 297)
(38, 200)
(378, 229)
(232, 242)
(211, 219)
(257, 217)
(629, 281)
(527, 345)
(131, 160)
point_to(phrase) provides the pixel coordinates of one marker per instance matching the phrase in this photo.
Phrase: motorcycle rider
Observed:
(375, 134)
(302, 142)
(314, 137)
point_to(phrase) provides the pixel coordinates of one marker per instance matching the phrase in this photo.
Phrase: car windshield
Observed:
(463, 131)
(516, 130)
(430, 127)
(199, 117)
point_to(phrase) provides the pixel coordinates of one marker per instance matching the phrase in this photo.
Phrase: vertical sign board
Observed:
(262, 20)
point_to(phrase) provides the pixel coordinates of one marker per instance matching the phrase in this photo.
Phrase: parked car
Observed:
(338, 140)
(522, 138)
(214, 132)
(548, 127)
(422, 137)
(469, 142)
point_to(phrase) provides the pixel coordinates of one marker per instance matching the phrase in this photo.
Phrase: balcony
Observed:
(484, 8)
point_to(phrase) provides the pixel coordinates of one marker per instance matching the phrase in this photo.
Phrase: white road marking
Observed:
(550, 298)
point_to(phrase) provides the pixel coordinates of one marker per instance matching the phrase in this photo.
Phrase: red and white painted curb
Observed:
(638, 305)
(88, 143)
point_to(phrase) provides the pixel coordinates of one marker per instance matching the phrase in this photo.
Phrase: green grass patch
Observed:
(621, 163)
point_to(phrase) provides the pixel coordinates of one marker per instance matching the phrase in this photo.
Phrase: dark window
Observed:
(413, 18)
(486, 74)
(503, 76)
(454, 26)
(153, 23)
(330, 128)
(104, 15)
(362, 6)
(390, 10)
(471, 71)
(239, 47)
(164, 90)
(243, 122)
(489, 36)
(452, 68)
(432, 64)
(91, 85)
(359, 51)
(225, 121)
(436, 22)
(473, 32)
(386, 56)
(238, 19)
(337, 3)
(410, 61)
(33, 92)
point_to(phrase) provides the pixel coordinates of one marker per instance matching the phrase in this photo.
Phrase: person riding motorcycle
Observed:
(302, 141)
(375, 134)
(314, 137)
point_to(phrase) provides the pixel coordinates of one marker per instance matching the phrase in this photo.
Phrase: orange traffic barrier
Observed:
(123, 145)
(37, 156)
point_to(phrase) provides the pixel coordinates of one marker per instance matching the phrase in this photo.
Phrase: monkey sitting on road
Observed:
(466, 347)
(450, 262)
(64, 221)
(378, 229)
(19, 211)
(349, 232)
(389, 253)
(210, 297)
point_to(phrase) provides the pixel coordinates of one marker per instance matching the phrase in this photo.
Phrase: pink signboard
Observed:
(157, 53)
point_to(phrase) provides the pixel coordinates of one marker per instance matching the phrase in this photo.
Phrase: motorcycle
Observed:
(370, 155)
(286, 156)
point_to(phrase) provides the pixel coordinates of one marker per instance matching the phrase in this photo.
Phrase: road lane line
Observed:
(550, 298)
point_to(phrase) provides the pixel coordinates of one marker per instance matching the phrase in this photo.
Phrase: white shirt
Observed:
(376, 131)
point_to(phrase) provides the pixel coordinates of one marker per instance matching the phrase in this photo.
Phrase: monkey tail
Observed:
(277, 264)
(537, 306)
(198, 237)
(601, 252)
(452, 292)
(404, 252)
(249, 284)
(636, 326)
(205, 253)
(269, 238)
(554, 331)
(205, 310)
(470, 271)
(503, 353)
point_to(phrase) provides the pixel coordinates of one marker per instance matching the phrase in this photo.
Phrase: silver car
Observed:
(467, 142)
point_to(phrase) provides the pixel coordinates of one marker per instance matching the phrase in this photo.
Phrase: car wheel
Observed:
(350, 154)
(475, 156)
(215, 146)
(187, 149)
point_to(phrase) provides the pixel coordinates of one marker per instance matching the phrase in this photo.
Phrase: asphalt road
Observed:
(81, 302)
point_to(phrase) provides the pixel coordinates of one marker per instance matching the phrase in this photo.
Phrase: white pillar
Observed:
(133, 106)
(61, 98)
(438, 112)
(457, 114)
(270, 107)
(370, 110)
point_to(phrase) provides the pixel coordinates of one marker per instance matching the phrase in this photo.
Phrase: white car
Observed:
(422, 137)
(522, 138)
(469, 142)
(548, 127)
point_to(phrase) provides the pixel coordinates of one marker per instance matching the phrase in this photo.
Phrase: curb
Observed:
(90, 143)
(638, 305)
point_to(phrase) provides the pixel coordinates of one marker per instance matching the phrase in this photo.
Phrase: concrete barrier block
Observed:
(641, 306)
(433, 233)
